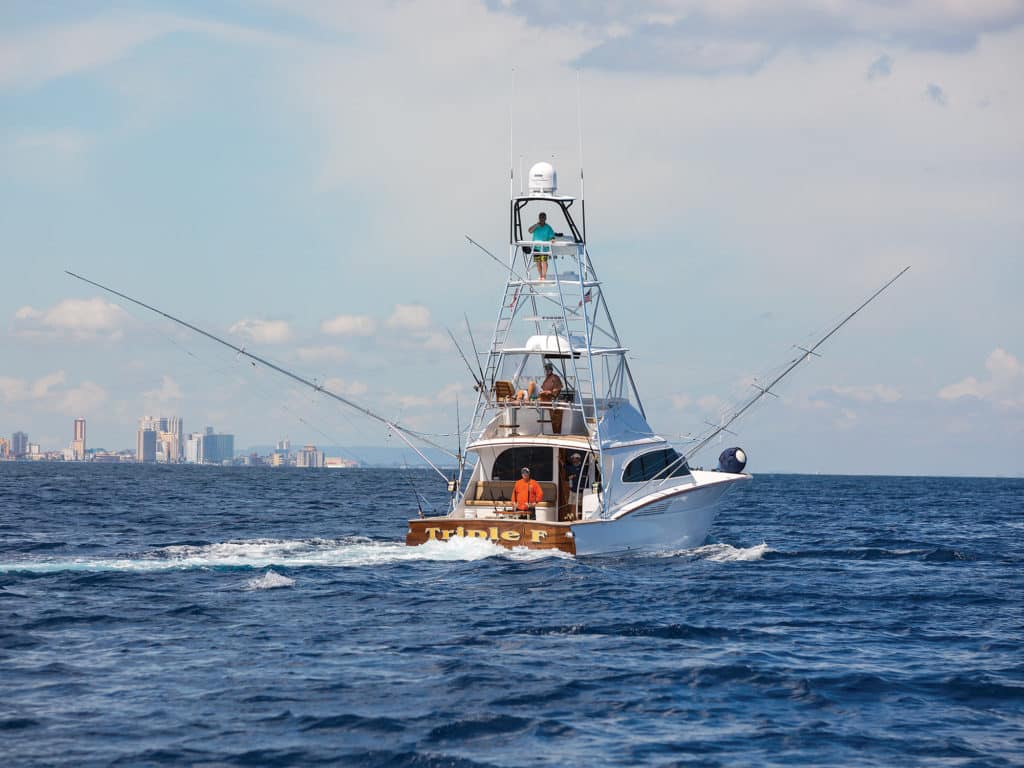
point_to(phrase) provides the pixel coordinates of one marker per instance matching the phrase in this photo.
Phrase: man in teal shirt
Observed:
(542, 232)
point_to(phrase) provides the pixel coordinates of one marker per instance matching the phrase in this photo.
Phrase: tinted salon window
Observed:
(509, 463)
(653, 464)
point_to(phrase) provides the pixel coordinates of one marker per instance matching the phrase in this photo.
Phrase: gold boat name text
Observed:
(490, 534)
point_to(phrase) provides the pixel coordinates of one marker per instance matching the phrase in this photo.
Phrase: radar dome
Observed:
(543, 179)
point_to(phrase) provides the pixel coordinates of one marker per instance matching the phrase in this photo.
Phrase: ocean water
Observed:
(246, 616)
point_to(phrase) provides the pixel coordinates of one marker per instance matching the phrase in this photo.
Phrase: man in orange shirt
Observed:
(526, 493)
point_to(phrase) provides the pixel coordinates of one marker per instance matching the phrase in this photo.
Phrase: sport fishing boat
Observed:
(564, 456)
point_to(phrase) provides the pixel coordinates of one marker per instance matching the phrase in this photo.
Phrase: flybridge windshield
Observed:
(526, 211)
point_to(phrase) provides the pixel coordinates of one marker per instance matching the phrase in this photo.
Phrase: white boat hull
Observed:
(680, 521)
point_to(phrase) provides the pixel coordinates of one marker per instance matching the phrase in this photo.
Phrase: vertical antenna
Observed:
(511, 151)
(579, 124)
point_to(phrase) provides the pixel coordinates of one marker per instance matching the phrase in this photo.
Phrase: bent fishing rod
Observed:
(402, 432)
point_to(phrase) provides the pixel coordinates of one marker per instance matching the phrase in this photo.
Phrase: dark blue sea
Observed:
(189, 615)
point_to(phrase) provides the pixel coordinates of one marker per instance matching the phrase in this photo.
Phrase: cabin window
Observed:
(510, 462)
(653, 464)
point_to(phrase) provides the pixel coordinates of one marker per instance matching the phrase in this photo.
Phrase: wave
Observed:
(287, 553)
(269, 580)
(723, 553)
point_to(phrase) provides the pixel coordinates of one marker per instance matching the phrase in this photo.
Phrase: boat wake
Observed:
(723, 553)
(269, 580)
(266, 553)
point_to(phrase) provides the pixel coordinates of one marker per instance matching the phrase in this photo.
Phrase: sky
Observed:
(300, 177)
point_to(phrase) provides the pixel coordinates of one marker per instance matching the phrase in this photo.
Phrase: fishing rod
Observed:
(456, 482)
(478, 382)
(416, 494)
(502, 263)
(401, 431)
(476, 352)
(666, 473)
(806, 352)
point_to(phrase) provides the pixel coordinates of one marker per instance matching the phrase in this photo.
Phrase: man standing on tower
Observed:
(542, 232)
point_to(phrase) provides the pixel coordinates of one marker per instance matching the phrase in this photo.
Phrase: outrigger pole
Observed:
(502, 263)
(762, 391)
(401, 431)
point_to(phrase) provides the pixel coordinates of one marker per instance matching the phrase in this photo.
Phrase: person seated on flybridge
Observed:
(549, 390)
(530, 393)
(526, 494)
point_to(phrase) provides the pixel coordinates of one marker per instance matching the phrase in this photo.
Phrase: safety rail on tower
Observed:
(562, 320)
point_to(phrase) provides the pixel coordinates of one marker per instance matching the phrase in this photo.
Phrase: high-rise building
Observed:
(216, 449)
(145, 446)
(282, 454)
(173, 442)
(19, 444)
(78, 443)
(5, 448)
(169, 443)
(194, 448)
(309, 456)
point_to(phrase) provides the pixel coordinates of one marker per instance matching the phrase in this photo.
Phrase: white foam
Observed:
(724, 553)
(269, 580)
(290, 553)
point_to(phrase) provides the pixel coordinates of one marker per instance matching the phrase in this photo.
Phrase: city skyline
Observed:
(158, 440)
(301, 179)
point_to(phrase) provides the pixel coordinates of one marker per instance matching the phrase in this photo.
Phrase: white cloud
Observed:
(345, 387)
(448, 394)
(415, 317)
(12, 390)
(78, 318)
(34, 57)
(47, 393)
(49, 52)
(1004, 385)
(872, 393)
(168, 391)
(440, 342)
(82, 399)
(321, 353)
(681, 402)
(42, 386)
(84, 316)
(263, 331)
(349, 325)
(709, 37)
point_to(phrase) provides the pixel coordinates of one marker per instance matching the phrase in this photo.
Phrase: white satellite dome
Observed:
(543, 179)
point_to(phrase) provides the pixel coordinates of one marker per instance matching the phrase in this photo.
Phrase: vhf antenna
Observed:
(579, 125)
